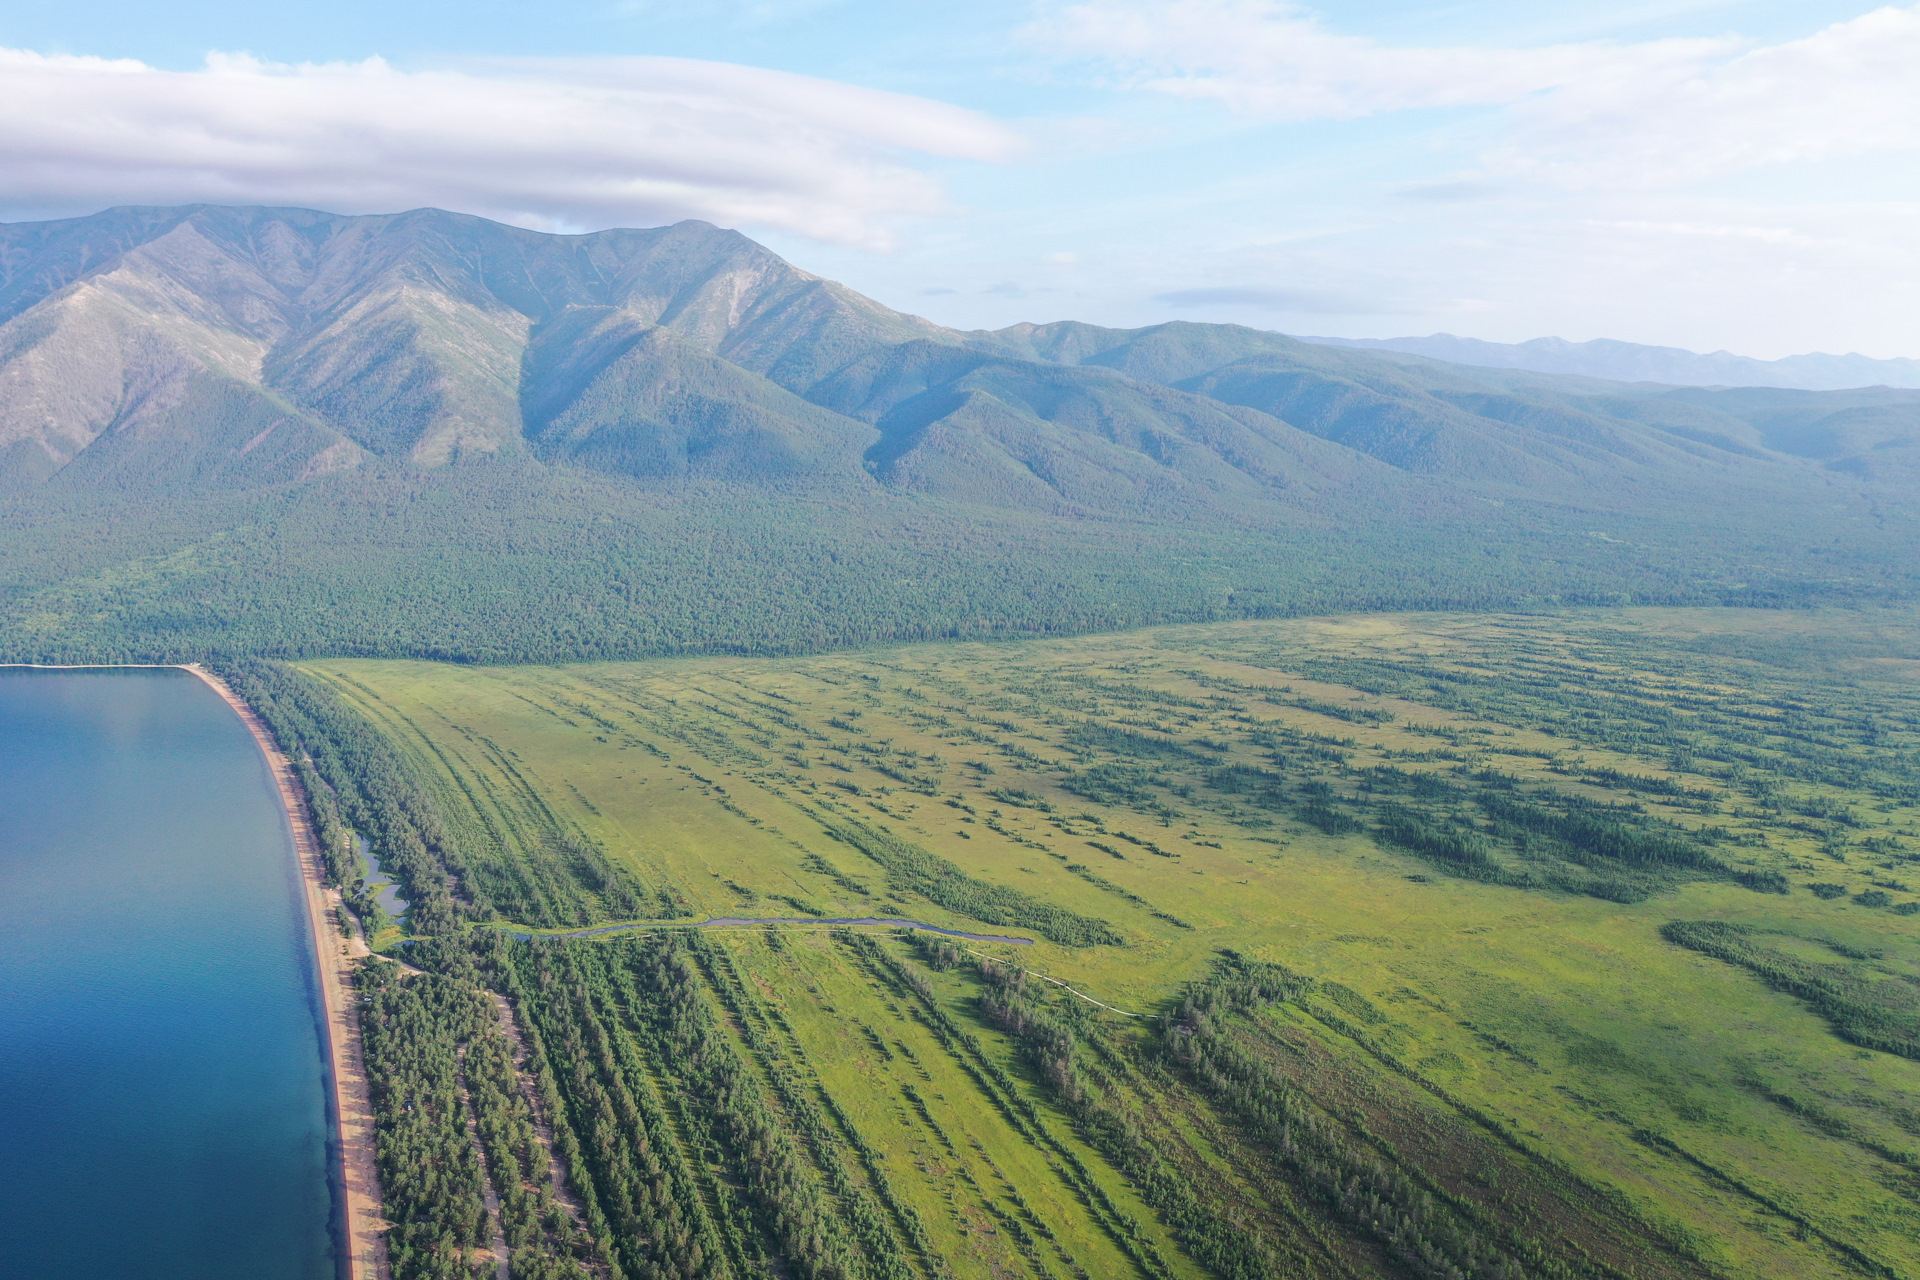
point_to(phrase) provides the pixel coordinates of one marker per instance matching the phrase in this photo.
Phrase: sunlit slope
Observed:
(1465, 835)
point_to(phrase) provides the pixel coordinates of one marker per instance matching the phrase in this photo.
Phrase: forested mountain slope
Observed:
(278, 429)
(1491, 428)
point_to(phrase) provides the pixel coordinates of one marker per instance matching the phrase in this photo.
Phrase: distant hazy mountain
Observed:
(1631, 362)
(428, 432)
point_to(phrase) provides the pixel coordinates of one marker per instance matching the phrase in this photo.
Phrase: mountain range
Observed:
(207, 413)
(1634, 362)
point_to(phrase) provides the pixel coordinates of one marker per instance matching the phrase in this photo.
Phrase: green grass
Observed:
(1182, 777)
(960, 1163)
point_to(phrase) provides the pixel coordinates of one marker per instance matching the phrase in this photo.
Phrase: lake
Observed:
(162, 1073)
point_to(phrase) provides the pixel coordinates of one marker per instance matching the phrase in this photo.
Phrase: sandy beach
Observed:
(367, 1255)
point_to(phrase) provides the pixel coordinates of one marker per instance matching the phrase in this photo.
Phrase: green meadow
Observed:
(1576, 944)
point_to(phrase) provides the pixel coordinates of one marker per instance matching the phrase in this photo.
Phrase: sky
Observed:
(1707, 174)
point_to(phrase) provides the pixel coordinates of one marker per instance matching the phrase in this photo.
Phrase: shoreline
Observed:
(363, 1226)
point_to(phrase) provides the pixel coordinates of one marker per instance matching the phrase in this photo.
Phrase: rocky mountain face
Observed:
(233, 347)
(278, 344)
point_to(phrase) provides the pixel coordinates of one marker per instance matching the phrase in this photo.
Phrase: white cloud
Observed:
(1291, 301)
(1580, 115)
(1847, 91)
(1277, 60)
(559, 144)
(1676, 270)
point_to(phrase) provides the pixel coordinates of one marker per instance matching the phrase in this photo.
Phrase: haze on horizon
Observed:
(1686, 173)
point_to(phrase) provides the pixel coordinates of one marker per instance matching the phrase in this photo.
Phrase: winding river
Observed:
(162, 1071)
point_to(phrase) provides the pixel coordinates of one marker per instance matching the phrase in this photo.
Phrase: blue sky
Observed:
(1707, 175)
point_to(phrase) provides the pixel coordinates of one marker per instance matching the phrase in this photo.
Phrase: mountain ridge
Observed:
(431, 336)
(429, 433)
(1635, 362)
(402, 329)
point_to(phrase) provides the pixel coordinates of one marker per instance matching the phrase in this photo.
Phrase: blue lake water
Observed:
(163, 1105)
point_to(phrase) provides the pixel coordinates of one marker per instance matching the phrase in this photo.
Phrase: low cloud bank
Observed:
(557, 144)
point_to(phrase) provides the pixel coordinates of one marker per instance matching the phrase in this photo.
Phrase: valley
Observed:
(1561, 944)
(859, 799)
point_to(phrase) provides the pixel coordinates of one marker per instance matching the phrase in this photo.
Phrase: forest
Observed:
(489, 562)
(1575, 943)
(669, 440)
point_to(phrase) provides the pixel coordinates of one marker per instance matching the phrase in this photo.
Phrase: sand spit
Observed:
(366, 1245)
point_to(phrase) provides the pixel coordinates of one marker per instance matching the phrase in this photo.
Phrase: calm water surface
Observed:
(162, 1081)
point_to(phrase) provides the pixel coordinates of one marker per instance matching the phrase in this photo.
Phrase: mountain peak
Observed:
(400, 333)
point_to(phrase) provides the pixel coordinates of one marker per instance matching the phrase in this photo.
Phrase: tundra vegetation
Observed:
(1571, 945)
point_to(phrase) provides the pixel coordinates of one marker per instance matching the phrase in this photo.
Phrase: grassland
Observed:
(1514, 910)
